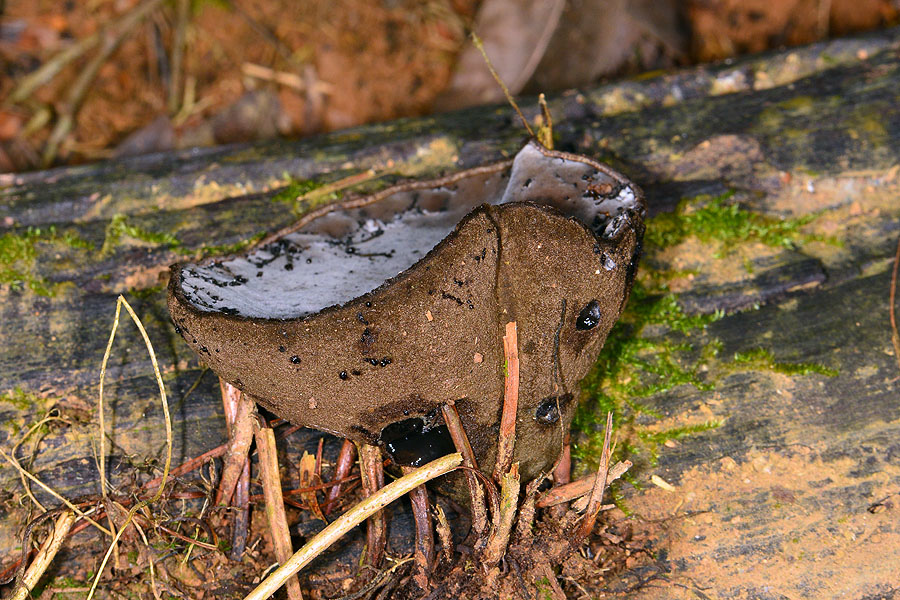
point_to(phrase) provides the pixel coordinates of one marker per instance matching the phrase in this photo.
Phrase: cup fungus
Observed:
(377, 311)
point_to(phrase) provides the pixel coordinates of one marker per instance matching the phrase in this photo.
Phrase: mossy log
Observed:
(785, 480)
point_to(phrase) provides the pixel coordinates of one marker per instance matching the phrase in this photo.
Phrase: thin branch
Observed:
(507, 440)
(509, 501)
(476, 492)
(577, 489)
(341, 470)
(895, 337)
(353, 517)
(271, 483)
(240, 434)
(372, 471)
(596, 500)
(45, 556)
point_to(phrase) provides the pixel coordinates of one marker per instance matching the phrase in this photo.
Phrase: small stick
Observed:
(895, 336)
(424, 548)
(182, 14)
(596, 501)
(350, 519)
(372, 472)
(444, 533)
(509, 501)
(525, 522)
(476, 493)
(239, 409)
(510, 403)
(188, 466)
(562, 474)
(45, 555)
(241, 501)
(110, 41)
(577, 489)
(341, 470)
(271, 483)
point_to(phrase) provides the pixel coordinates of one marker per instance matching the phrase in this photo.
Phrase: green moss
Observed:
(712, 219)
(760, 359)
(19, 398)
(231, 248)
(656, 346)
(18, 255)
(296, 195)
(635, 364)
(118, 227)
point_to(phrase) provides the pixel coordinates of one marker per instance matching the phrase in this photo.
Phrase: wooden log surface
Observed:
(796, 490)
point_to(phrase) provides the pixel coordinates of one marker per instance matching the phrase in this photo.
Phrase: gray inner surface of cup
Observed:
(345, 254)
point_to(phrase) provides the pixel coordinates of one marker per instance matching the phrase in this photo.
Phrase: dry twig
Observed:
(595, 503)
(372, 471)
(45, 555)
(476, 492)
(895, 336)
(353, 517)
(271, 483)
(510, 403)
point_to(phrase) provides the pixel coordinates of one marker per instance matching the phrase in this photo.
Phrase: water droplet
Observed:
(371, 361)
(295, 359)
(589, 316)
(385, 361)
(343, 375)
(608, 263)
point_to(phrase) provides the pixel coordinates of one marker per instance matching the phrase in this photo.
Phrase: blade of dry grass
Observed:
(353, 517)
(120, 301)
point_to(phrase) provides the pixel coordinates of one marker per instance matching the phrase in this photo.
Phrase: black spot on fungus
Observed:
(413, 442)
(589, 316)
(343, 375)
(547, 412)
(295, 359)
(282, 349)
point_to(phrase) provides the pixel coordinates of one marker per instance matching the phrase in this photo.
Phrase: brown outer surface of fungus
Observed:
(537, 267)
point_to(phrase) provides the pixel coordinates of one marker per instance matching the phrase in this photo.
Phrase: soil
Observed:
(338, 64)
